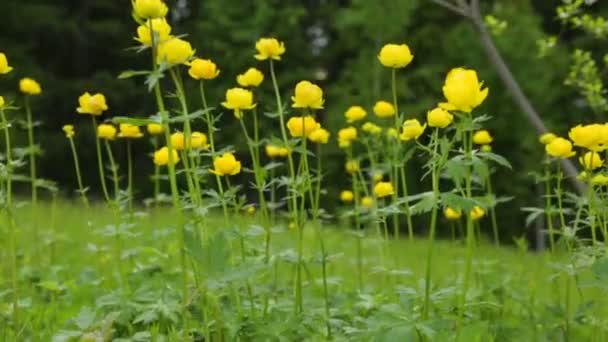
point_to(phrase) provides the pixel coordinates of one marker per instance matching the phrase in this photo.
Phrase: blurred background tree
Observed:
(72, 46)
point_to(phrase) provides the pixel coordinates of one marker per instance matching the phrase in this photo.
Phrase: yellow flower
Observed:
(482, 137)
(273, 151)
(486, 148)
(69, 131)
(149, 9)
(198, 140)
(383, 189)
(412, 129)
(477, 213)
(107, 132)
(463, 90)
(92, 104)
(582, 176)
(155, 129)
(250, 210)
(347, 196)
(129, 131)
(178, 141)
(367, 202)
(238, 99)
(346, 136)
(355, 113)
(600, 179)
(203, 69)
(593, 137)
(546, 138)
(269, 48)
(174, 51)
(351, 166)
(384, 109)
(4, 67)
(161, 157)
(377, 177)
(29, 86)
(226, 165)
(559, 148)
(452, 214)
(371, 128)
(439, 118)
(1, 102)
(251, 78)
(395, 56)
(299, 126)
(160, 27)
(591, 160)
(307, 95)
(319, 136)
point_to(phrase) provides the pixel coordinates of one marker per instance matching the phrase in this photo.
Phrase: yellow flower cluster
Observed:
(302, 126)
(593, 138)
(198, 140)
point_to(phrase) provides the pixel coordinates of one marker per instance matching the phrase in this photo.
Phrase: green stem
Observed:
(493, 214)
(32, 151)
(429, 257)
(130, 176)
(102, 176)
(81, 190)
(114, 169)
(156, 176)
(548, 215)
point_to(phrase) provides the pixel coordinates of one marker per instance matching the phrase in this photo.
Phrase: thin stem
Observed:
(102, 176)
(548, 215)
(130, 176)
(156, 176)
(81, 190)
(429, 257)
(32, 151)
(114, 169)
(493, 214)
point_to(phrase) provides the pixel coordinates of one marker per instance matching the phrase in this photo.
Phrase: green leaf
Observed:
(132, 121)
(496, 158)
(85, 318)
(132, 73)
(194, 115)
(424, 205)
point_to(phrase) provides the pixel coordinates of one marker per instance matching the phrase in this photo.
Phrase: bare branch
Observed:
(463, 11)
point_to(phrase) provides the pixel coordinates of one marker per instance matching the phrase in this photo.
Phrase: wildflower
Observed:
(160, 27)
(178, 141)
(384, 109)
(251, 78)
(250, 210)
(582, 176)
(198, 140)
(273, 151)
(347, 196)
(149, 9)
(591, 160)
(129, 131)
(367, 202)
(546, 138)
(383, 189)
(452, 214)
(439, 118)
(238, 99)
(174, 51)
(395, 56)
(92, 104)
(371, 128)
(4, 67)
(226, 165)
(155, 129)
(559, 148)
(269, 48)
(319, 136)
(203, 69)
(299, 126)
(412, 129)
(600, 179)
(477, 213)
(463, 90)
(351, 166)
(593, 137)
(1, 102)
(161, 157)
(107, 132)
(29, 86)
(69, 131)
(307, 95)
(355, 113)
(482, 137)
(346, 136)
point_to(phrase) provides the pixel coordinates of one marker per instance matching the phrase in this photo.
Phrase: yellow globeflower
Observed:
(307, 95)
(384, 109)
(452, 214)
(299, 126)
(395, 55)
(351, 166)
(367, 202)
(149, 9)
(600, 179)
(29, 86)
(269, 48)
(412, 129)
(347, 196)
(593, 137)
(439, 118)
(250, 78)
(346, 136)
(107, 132)
(591, 160)
(174, 51)
(371, 128)
(273, 151)
(482, 137)
(546, 138)
(383, 189)
(477, 213)
(198, 140)
(178, 141)
(319, 136)
(92, 104)
(238, 99)
(203, 69)
(161, 157)
(4, 67)
(69, 131)
(1, 102)
(463, 90)
(226, 165)
(160, 27)
(155, 129)
(559, 148)
(355, 113)
(129, 131)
